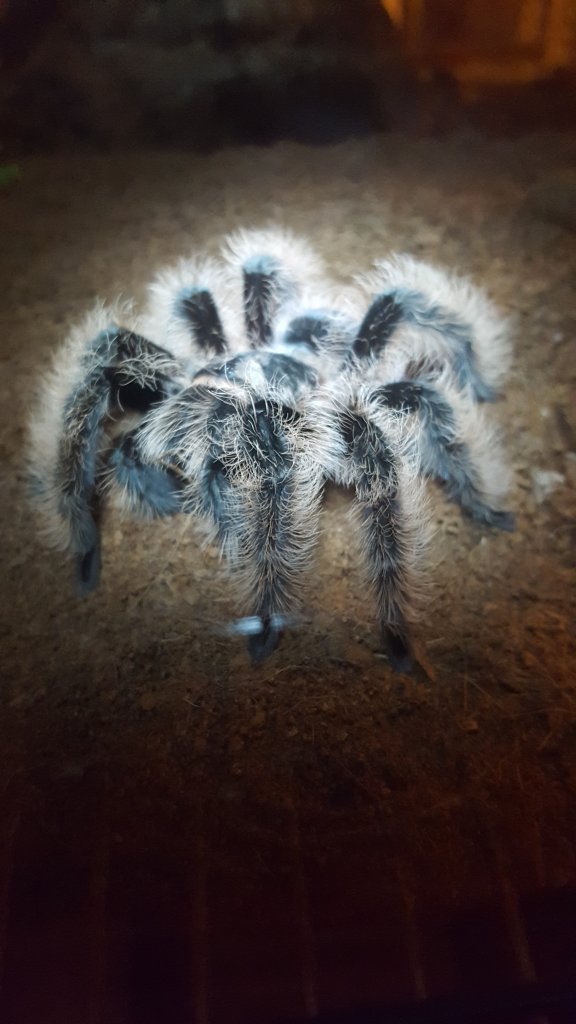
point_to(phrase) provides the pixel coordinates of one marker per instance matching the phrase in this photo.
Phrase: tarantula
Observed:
(248, 383)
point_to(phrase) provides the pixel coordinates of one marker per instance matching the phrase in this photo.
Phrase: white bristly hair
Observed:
(457, 296)
(293, 254)
(162, 321)
(71, 364)
(249, 381)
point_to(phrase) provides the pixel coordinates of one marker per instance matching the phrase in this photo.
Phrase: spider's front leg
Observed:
(389, 515)
(249, 473)
(97, 378)
(275, 501)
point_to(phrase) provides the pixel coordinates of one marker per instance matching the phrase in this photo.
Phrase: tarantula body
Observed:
(250, 382)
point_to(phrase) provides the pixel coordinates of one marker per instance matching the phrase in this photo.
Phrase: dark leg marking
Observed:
(371, 457)
(130, 396)
(382, 318)
(197, 307)
(262, 291)
(138, 372)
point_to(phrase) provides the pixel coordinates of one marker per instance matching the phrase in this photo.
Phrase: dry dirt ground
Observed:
(185, 837)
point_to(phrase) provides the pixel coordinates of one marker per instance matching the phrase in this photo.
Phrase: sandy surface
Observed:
(129, 718)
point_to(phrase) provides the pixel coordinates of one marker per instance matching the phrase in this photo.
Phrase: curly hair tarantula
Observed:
(262, 382)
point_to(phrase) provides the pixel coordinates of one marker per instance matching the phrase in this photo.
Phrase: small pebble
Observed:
(470, 725)
(545, 482)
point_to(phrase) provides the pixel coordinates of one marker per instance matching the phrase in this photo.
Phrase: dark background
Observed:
(206, 73)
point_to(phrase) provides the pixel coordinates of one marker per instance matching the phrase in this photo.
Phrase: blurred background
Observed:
(207, 73)
(185, 839)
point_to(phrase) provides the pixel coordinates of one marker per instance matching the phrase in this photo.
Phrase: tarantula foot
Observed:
(398, 649)
(88, 566)
(504, 521)
(262, 644)
(497, 519)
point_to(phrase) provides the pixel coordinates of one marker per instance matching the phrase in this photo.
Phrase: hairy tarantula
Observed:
(248, 383)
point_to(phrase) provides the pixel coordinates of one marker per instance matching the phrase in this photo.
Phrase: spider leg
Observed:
(278, 513)
(458, 337)
(447, 318)
(246, 477)
(391, 544)
(275, 266)
(262, 294)
(196, 306)
(186, 436)
(190, 308)
(272, 528)
(145, 488)
(116, 371)
(443, 453)
(439, 336)
(78, 501)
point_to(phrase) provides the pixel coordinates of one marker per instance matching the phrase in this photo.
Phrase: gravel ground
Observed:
(128, 716)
